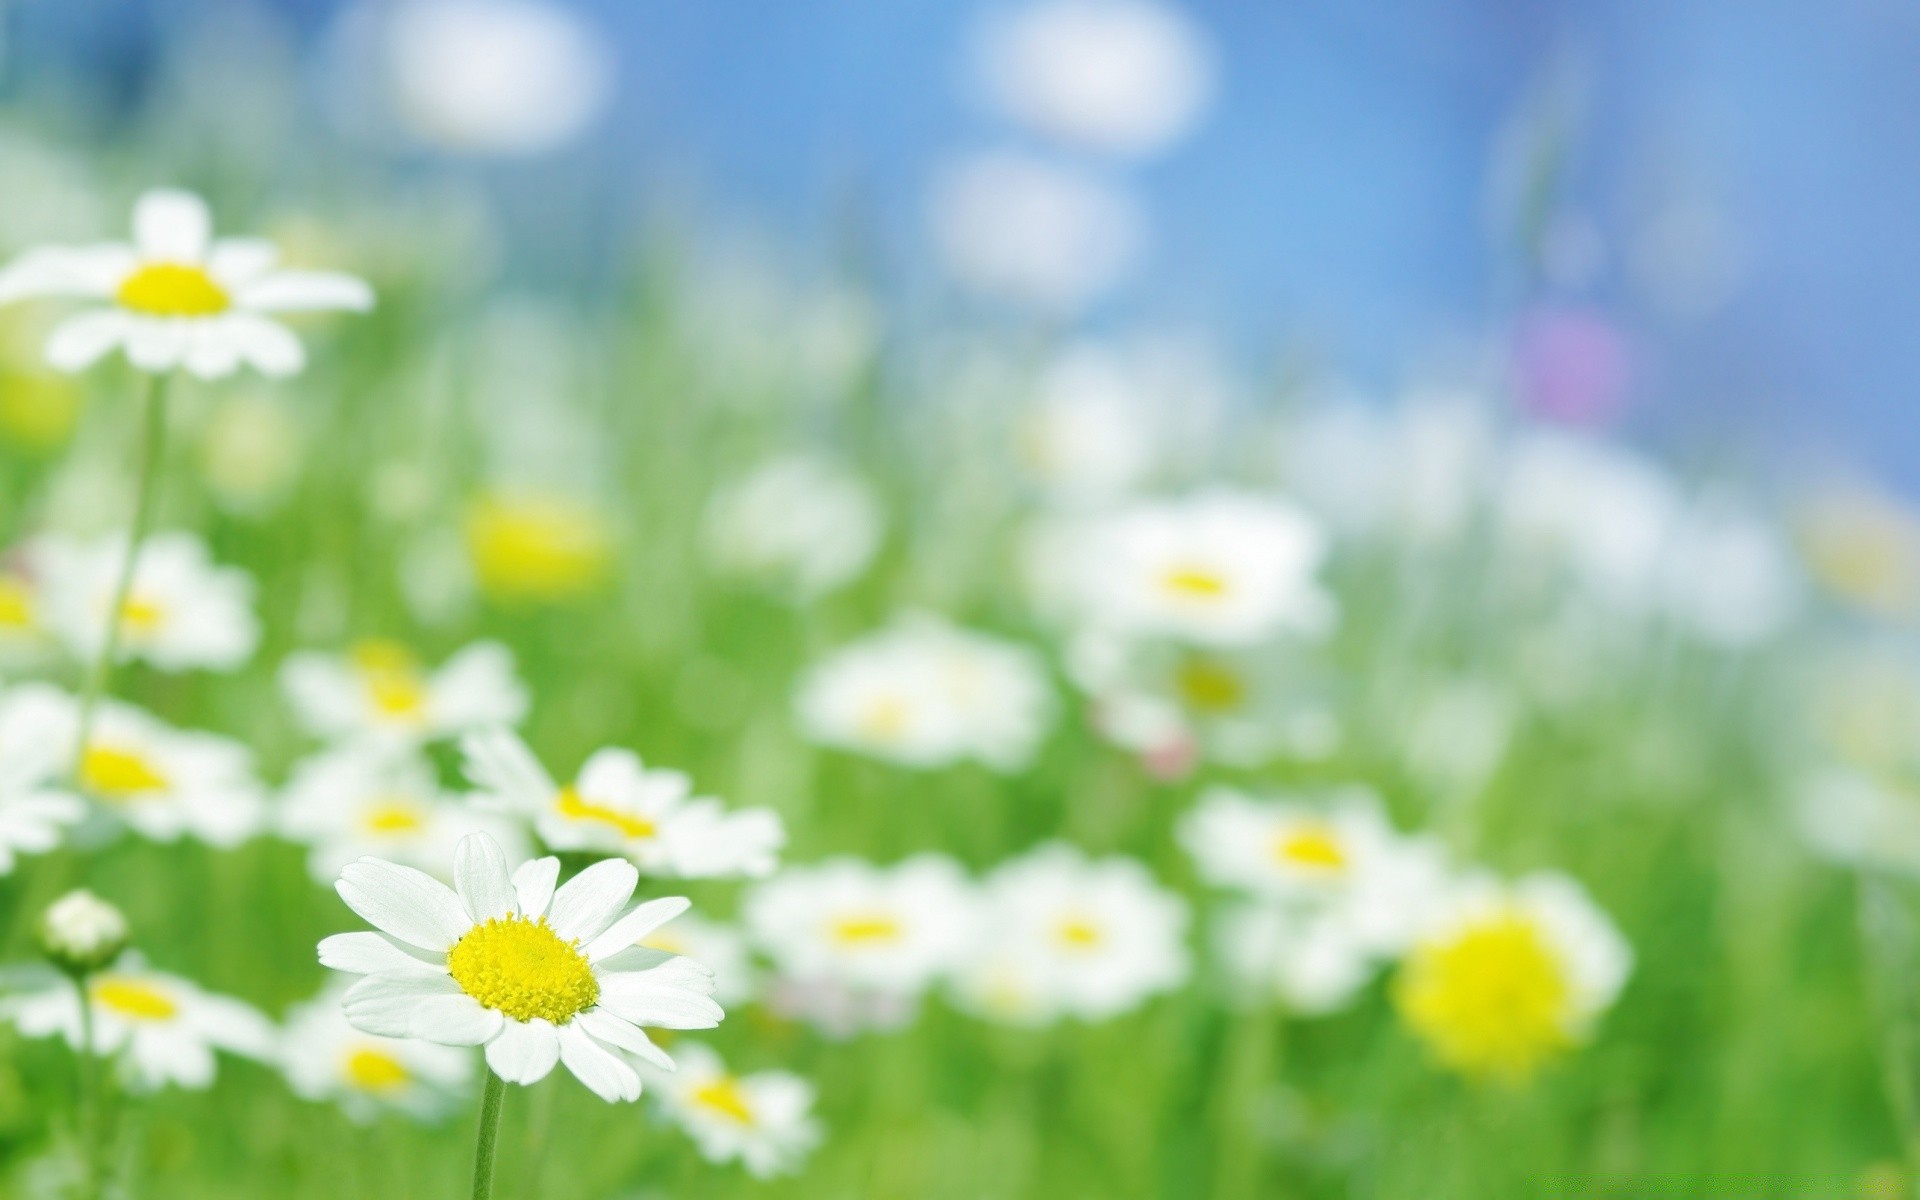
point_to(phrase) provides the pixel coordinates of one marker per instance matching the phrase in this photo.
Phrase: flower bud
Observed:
(81, 932)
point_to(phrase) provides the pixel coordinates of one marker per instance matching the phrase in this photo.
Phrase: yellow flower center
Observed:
(166, 289)
(1493, 1000)
(865, 929)
(1195, 583)
(373, 1070)
(571, 805)
(884, 719)
(142, 616)
(523, 969)
(1078, 933)
(725, 1096)
(543, 548)
(395, 815)
(118, 773)
(1210, 687)
(1315, 846)
(133, 998)
(395, 684)
(16, 604)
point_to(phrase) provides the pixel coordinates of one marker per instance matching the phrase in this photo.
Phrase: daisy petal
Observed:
(268, 345)
(622, 1036)
(156, 345)
(588, 902)
(94, 271)
(411, 905)
(533, 884)
(79, 342)
(212, 350)
(636, 925)
(650, 998)
(592, 1064)
(236, 262)
(306, 291)
(497, 761)
(523, 1052)
(367, 953)
(429, 1007)
(172, 226)
(480, 877)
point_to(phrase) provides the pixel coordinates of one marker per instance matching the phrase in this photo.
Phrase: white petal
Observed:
(429, 1007)
(172, 226)
(306, 291)
(497, 761)
(636, 925)
(156, 345)
(92, 271)
(236, 262)
(533, 884)
(523, 1052)
(411, 905)
(480, 877)
(366, 953)
(657, 999)
(213, 352)
(587, 903)
(79, 342)
(268, 345)
(623, 1036)
(608, 1077)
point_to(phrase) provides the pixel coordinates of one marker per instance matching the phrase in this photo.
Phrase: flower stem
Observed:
(152, 439)
(483, 1150)
(92, 1110)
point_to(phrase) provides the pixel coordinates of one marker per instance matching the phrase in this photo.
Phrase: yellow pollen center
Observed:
(133, 998)
(1078, 933)
(865, 929)
(523, 969)
(1195, 583)
(373, 1070)
(1315, 846)
(537, 548)
(117, 773)
(394, 683)
(173, 290)
(1209, 686)
(725, 1096)
(396, 815)
(142, 616)
(884, 719)
(1493, 1000)
(16, 604)
(571, 805)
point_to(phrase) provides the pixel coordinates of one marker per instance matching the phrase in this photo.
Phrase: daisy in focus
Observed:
(35, 810)
(924, 693)
(182, 612)
(162, 1030)
(764, 1120)
(538, 976)
(618, 805)
(1062, 935)
(380, 691)
(176, 297)
(1510, 976)
(326, 1059)
(360, 800)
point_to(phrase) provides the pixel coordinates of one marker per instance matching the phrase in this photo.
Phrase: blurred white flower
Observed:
(924, 693)
(1062, 935)
(763, 1120)
(161, 1030)
(361, 799)
(35, 808)
(1859, 818)
(1124, 77)
(379, 691)
(494, 77)
(618, 805)
(82, 933)
(538, 976)
(1506, 977)
(720, 948)
(1026, 231)
(795, 522)
(325, 1058)
(1296, 849)
(183, 610)
(1311, 962)
(178, 298)
(1088, 435)
(891, 930)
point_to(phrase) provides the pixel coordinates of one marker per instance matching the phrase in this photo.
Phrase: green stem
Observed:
(92, 1116)
(483, 1150)
(153, 438)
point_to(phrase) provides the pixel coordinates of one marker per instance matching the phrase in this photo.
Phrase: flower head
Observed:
(82, 933)
(326, 1058)
(177, 298)
(763, 1120)
(795, 522)
(34, 808)
(183, 610)
(379, 691)
(537, 548)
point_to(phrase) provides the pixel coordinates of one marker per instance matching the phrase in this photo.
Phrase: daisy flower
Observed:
(325, 1058)
(617, 805)
(538, 976)
(380, 691)
(34, 809)
(763, 1120)
(161, 1028)
(1310, 961)
(924, 693)
(81, 933)
(536, 547)
(360, 800)
(182, 612)
(23, 636)
(795, 522)
(1509, 976)
(1064, 935)
(176, 298)
(892, 930)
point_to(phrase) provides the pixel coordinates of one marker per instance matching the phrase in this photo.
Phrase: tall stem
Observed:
(483, 1150)
(92, 1110)
(153, 436)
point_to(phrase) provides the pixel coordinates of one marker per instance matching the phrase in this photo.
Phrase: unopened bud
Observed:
(81, 932)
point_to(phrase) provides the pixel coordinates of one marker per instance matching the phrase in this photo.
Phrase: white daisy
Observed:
(182, 612)
(34, 808)
(617, 805)
(176, 297)
(1060, 934)
(796, 522)
(763, 1120)
(1309, 960)
(162, 1029)
(892, 930)
(537, 976)
(925, 693)
(1218, 568)
(359, 800)
(23, 634)
(325, 1058)
(1508, 976)
(721, 948)
(1089, 434)
(379, 690)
